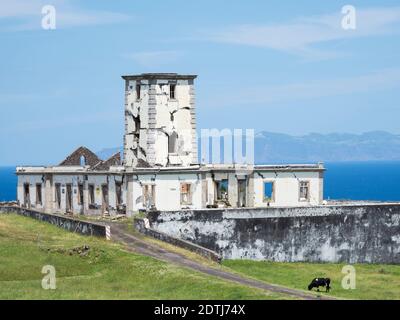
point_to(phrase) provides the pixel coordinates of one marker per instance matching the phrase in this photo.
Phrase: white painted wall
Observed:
(211, 196)
(32, 180)
(167, 191)
(286, 191)
(98, 180)
(63, 180)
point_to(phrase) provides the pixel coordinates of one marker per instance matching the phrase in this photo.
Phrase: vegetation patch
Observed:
(373, 281)
(93, 268)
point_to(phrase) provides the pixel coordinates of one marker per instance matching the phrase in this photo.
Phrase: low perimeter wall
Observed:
(334, 233)
(67, 223)
(140, 225)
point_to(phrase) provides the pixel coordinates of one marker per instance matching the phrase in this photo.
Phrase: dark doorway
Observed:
(58, 195)
(241, 193)
(68, 198)
(104, 192)
(149, 192)
(81, 200)
(38, 194)
(118, 197)
(222, 190)
(27, 198)
(172, 142)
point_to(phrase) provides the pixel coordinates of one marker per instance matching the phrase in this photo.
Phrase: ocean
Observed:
(379, 181)
(8, 184)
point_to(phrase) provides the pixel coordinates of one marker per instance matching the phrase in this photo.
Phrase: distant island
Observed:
(272, 147)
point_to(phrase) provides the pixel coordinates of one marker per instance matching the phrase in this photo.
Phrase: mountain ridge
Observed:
(274, 147)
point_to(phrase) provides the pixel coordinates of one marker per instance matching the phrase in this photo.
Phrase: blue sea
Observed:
(378, 181)
(8, 184)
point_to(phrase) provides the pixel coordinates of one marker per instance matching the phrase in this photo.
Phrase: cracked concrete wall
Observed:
(209, 189)
(286, 188)
(136, 122)
(232, 190)
(150, 120)
(205, 193)
(347, 233)
(32, 180)
(49, 192)
(167, 190)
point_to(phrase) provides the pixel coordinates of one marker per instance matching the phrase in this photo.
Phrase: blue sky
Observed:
(283, 66)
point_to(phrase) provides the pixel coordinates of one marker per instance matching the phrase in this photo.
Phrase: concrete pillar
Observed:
(250, 190)
(129, 196)
(112, 201)
(85, 196)
(204, 190)
(232, 190)
(211, 190)
(321, 187)
(48, 198)
(20, 192)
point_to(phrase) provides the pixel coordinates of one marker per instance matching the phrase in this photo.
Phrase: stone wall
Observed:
(140, 225)
(368, 233)
(69, 224)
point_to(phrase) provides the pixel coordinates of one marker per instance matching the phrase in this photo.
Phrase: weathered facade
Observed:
(160, 120)
(351, 233)
(160, 167)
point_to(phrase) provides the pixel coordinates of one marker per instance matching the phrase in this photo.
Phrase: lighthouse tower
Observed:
(160, 120)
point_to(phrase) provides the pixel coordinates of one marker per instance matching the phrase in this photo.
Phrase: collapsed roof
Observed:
(85, 157)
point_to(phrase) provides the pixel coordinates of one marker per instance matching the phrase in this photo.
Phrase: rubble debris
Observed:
(81, 250)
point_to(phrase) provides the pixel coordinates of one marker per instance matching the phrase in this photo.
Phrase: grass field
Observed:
(107, 271)
(372, 281)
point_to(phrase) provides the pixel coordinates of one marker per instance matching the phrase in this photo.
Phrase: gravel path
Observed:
(120, 233)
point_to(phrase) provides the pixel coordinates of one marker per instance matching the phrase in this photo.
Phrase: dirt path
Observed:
(119, 232)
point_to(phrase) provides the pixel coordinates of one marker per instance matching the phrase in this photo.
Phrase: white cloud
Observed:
(29, 97)
(154, 58)
(300, 35)
(18, 8)
(269, 95)
(73, 19)
(20, 15)
(25, 125)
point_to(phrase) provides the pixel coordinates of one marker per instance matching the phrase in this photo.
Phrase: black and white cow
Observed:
(320, 282)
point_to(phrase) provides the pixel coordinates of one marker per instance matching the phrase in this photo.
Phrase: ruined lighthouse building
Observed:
(160, 169)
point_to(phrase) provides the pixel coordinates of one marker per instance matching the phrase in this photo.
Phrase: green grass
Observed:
(110, 272)
(373, 281)
(107, 272)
